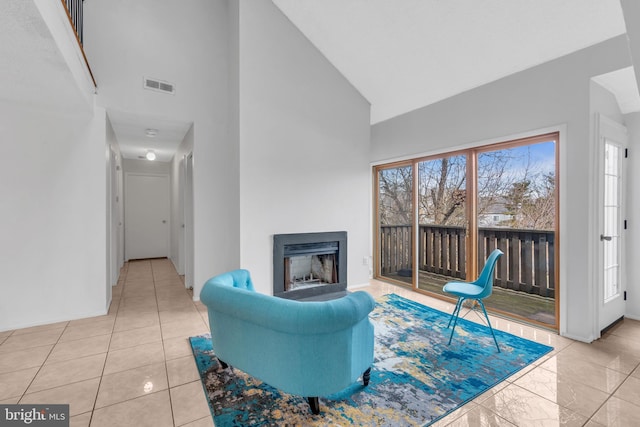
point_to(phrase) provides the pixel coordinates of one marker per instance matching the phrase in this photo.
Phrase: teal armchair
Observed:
(310, 349)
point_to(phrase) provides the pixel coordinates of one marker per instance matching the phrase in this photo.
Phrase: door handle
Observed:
(603, 237)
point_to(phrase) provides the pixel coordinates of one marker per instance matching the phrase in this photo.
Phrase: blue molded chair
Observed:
(477, 291)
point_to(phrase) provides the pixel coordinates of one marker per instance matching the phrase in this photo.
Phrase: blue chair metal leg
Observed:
(453, 314)
(489, 324)
(456, 314)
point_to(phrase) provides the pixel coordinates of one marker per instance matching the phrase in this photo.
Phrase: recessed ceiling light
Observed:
(151, 132)
(151, 155)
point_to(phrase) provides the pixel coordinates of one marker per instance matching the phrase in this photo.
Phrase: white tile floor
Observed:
(133, 367)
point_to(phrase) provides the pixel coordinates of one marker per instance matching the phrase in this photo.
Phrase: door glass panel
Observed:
(442, 222)
(516, 213)
(611, 240)
(395, 219)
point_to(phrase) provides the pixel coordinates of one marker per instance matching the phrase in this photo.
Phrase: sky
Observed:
(540, 158)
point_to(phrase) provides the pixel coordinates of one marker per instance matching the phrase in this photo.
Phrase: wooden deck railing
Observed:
(527, 266)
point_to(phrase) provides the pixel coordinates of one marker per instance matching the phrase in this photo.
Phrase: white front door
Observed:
(612, 148)
(146, 216)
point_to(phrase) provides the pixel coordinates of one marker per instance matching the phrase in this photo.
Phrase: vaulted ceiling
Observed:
(405, 54)
(400, 54)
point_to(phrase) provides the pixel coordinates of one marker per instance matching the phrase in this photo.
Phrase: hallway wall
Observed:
(53, 184)
(180, 224)
(632, 122)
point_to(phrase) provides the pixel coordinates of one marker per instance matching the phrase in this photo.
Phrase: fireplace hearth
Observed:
(309, 265)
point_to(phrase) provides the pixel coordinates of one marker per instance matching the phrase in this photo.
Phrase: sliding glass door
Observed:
(442, 221)
(445, 214)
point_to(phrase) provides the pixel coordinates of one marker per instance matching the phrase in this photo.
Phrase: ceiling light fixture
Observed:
(151, 155)
(151, 133)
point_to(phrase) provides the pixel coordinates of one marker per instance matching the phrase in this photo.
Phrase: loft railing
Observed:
(527, 266)
(76, 16)
(74, 9)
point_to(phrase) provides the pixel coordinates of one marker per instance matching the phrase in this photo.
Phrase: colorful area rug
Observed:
(416, 377)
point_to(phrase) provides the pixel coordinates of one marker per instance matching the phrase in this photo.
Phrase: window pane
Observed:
(517, 214)
(442, 223)
(395, 218)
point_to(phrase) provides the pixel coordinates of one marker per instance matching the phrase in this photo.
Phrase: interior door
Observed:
(612, 148)
(146, 216)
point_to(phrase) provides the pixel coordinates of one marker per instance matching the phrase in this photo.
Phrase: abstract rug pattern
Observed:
(416, 377)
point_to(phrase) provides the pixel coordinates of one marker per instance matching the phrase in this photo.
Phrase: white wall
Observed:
(633, 207)
(146, 166)
(632, 20)
(114, 231)
(179, 222)
(176, 241)
(604, 102)
(53, 218)
(553, 95)
(304, 145)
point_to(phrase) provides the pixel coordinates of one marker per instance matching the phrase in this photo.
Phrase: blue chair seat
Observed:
(477, 290)
(463, 289)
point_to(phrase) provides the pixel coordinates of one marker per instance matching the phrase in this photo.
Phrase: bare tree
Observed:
(532, 203)
(495, 176)
(507, 182)
(395, 194)
(442, 191)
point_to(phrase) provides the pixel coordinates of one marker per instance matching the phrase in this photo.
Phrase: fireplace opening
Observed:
(315, 266)
(309, 264)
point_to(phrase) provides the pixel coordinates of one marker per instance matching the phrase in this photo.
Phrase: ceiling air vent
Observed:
(159, 85)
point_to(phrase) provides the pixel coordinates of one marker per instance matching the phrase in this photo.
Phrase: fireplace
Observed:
(309, 265)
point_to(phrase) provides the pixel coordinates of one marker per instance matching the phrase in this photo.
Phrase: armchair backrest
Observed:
(236, 278)
(312, 348)
(485, 280)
